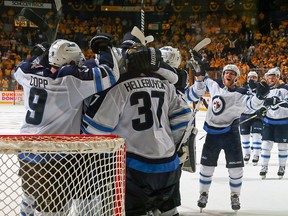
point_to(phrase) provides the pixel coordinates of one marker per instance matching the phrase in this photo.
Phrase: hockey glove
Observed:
(199, 66)
(140, 59)
(101, 42)
(271, 101)
(39, 49)
(261, 112)
(262, 90)
(252, 84)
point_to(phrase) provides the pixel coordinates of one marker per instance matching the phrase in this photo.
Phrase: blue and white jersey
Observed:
(225, 105)
(278, 115)
(149, 114)
(249, 91)
(53, 101)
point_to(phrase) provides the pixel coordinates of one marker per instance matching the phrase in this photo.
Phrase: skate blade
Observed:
(201, 210)
(280, 177)
(255, 164)
(264, 177)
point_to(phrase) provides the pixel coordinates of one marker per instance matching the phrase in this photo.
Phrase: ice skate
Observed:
(235, 203)
(203, 199)
(263, 171)
(255, 160)
(281, 172)
(247, 158)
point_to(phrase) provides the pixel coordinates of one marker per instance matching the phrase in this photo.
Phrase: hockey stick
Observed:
(254, 116)
(142, 16)
(29, 14)
(51, 34)
(58, 5)
(140, 35)
(201, 45)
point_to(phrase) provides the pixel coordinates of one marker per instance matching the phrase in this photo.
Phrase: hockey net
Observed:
(62, 175)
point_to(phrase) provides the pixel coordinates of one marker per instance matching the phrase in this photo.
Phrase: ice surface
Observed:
(258, 197)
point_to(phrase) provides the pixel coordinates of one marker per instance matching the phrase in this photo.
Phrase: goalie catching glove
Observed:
(101, 42)
(141, 59)
(197, 63)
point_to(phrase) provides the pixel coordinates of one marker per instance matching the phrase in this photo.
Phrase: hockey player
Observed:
(148, 113)
(275, 123)
(251, 129)
(53, 102)
(222, 125)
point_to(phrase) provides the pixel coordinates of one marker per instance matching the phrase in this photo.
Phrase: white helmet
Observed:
(252, 73)
(233, 68)
(63, 52)
(273, 71)
(171, 56)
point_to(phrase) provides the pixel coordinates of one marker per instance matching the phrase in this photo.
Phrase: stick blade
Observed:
(58, 4)
(202, 44)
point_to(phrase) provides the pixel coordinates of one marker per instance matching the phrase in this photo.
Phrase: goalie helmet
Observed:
(64, 52)
(231, 67)
(273, 71)
(171, 56)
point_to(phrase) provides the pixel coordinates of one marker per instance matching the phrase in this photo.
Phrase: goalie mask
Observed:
(64, 52)
(171, 56)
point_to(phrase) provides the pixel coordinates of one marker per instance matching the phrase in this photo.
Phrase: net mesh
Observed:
(62, 175)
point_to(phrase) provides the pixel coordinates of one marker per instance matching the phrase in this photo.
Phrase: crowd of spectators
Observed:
(235, 39)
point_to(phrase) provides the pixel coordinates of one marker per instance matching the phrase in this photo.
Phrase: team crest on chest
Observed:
(218, 105)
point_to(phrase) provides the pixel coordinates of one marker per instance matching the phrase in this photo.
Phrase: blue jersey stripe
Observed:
(98, 79)
(97, 126)
(152, 168)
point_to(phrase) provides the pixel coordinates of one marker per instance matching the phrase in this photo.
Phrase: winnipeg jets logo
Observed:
(218, 105)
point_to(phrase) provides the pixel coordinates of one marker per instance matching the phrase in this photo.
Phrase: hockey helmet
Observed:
(171, 56)
(231, 67)
(273, 71)
(64, 52)
(252, 73)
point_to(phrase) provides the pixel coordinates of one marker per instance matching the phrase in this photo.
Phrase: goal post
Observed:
(62, 175)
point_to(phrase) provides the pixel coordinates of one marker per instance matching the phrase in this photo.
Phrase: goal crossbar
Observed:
(59, 143)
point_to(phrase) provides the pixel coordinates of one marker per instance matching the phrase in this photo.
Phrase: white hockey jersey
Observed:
(278, 115)
(148, 113)
(53, 102)
(225, 105)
